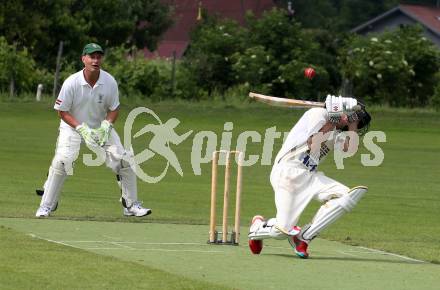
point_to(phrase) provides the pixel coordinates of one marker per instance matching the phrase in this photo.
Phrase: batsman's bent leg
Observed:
(332, 211)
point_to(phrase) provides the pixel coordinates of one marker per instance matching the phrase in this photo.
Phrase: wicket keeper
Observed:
(88, 105)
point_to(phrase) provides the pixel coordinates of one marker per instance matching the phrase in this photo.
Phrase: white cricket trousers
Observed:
(67, 151)
(295, 186)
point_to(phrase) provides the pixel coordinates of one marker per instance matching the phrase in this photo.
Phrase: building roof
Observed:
(185, 18)
(425, 15)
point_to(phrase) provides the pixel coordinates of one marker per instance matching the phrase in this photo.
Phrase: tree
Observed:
(40, 25)
(398, 68)
(213, 42)
(269, 55)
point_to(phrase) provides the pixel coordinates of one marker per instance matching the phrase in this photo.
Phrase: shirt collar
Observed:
(99, 81)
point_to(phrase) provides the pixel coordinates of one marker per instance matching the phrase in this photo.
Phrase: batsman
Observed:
(88, 105)
(296, 180)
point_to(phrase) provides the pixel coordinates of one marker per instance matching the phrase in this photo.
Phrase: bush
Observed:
(152, 79)
(208, 58)
(396, 68)
(435, 98)
(18, 65)
(269, 55)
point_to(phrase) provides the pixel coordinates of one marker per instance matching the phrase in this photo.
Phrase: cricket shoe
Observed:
(256, 246)
(137, 210)
(43, 211)
(300, 246)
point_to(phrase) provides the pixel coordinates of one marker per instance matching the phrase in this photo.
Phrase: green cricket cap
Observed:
(91, 48)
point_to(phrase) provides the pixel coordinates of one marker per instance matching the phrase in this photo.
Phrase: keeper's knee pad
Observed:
(118, 158)
(63, 163)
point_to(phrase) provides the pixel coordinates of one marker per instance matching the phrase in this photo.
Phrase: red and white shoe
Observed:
(256, 245)
(300, 246)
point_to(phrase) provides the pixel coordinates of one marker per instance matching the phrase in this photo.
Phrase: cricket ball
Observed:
(255, 246)
(309, 73)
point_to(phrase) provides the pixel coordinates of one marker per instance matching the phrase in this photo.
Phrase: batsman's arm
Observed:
(352, 127)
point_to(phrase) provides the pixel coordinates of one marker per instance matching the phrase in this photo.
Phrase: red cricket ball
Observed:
(255, 246)
(309, 73)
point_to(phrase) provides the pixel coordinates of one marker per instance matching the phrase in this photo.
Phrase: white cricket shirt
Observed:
(88, 105)
(310, 123)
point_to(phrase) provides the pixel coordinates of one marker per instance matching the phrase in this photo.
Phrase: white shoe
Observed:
(43, 211)
(256, 223)
(137, 210)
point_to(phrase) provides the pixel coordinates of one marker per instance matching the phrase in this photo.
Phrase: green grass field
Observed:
(398, 215)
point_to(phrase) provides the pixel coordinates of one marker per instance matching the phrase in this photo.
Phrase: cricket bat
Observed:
(287, 103)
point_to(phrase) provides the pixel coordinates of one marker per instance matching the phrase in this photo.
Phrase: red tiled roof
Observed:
(426, 15)
(429, 16)
(185, 18)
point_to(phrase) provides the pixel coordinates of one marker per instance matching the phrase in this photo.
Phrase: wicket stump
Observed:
(213, 233)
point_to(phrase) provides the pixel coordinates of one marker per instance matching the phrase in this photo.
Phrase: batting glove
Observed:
(86, 133)
(350, 104)
(103, 132)
(335, 108)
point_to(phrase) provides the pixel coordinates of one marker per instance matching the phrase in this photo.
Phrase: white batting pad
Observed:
(332, 211)
(128, 185)
(53, 185)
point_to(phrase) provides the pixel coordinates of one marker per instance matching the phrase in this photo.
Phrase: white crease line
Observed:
(153, 249)
(108, 237)
(348, 254)
(53, 241)
(141, 243)
(123, 246)
(65, 243)
(391, 254)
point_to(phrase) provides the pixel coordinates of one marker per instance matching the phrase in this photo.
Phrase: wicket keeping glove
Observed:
(86, 133)
(103, 132)
(335, 108)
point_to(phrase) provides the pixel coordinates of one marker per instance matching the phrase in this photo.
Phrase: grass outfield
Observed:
(37, 264)
(177, 250)
(399, 214)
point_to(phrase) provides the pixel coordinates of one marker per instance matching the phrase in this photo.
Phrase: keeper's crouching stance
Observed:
(88, 105)
(296, 182)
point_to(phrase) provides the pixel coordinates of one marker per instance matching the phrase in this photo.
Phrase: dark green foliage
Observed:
(209, 56)
(151, 79)
(269, 54)
(40, 25)
(396, 68)
(19, 67)
(435, 98)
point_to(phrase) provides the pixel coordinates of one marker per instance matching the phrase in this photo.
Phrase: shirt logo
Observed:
(58, 102)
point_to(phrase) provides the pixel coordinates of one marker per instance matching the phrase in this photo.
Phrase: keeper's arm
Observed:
(112, 116)
(68, 118)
